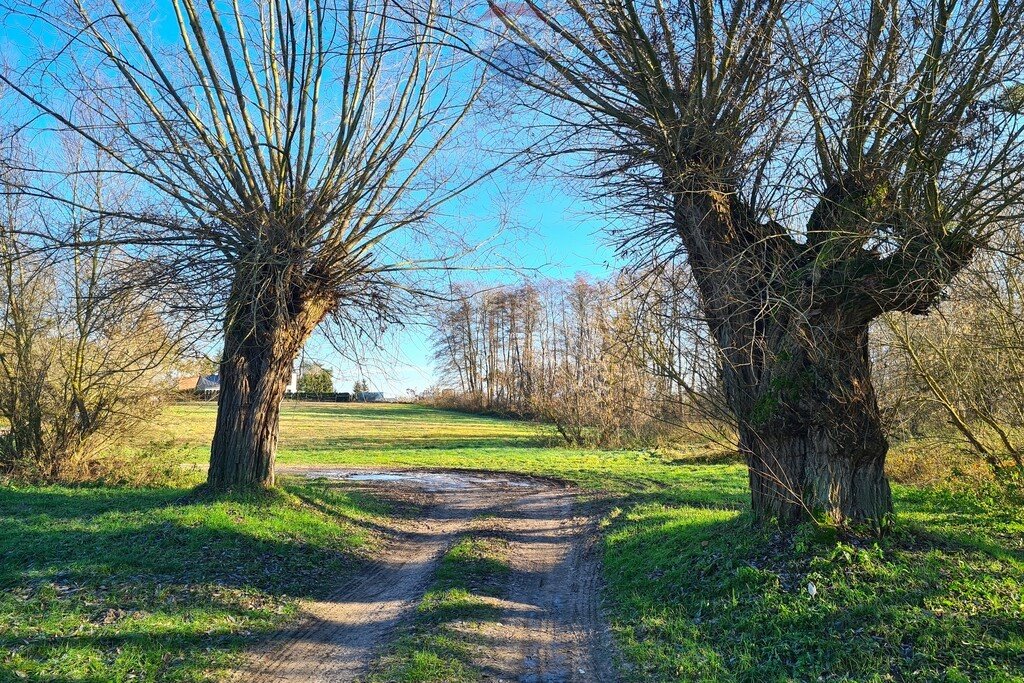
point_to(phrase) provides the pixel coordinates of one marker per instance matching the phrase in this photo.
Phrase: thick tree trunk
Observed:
(255, 370)
(814, 472)
(811, 431)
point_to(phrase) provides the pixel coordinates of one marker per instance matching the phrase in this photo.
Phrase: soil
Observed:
(551, 630)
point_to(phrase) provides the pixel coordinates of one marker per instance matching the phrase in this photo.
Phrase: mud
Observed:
(550, 630)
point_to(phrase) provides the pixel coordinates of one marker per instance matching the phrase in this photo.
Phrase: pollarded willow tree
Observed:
(819, 163)
(289, 149)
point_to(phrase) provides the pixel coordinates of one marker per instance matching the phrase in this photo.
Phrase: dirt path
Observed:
(550, 630)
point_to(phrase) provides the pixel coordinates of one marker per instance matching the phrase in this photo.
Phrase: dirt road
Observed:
(550, 631)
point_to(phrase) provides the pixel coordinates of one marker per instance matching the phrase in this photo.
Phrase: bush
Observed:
(82, 361)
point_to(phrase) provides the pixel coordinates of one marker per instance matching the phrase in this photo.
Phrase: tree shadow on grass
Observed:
(434, 647)
(703, 594)
(84, 502)
(233, 540)
(120, 579)
(148, 651)
(951, 520)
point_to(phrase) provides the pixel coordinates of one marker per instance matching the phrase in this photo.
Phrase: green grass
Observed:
(405, 435)
(440, 644)
(694, 590)
(102, 584)
(309, 430)
(699, 594)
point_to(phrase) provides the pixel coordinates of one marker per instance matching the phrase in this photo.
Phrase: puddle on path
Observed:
(427, 481)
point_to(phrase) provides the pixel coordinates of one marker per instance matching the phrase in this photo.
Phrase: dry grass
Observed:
(936, 462)
(309, 426)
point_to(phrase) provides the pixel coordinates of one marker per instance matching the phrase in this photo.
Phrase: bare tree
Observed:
(562, 351)
(671, 336)
(819, 163)
(966, 360)
(84, 355)
(288, 149)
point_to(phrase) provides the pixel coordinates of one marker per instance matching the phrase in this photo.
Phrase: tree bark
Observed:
(795, 366)
(262, 338)
(811, 431)
(253, 376)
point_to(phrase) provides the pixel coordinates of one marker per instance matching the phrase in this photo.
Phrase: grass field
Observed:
(405, 435)
(117, 584)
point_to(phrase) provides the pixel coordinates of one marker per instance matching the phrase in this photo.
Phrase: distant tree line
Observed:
(609, 362)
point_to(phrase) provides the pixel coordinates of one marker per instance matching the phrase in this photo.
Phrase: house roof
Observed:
(209, 383)
(188, 383)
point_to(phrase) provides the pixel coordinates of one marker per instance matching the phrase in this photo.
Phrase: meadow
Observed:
(163, 582)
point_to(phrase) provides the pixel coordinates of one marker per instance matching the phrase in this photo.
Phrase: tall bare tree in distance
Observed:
(289, 148)
(818, 163)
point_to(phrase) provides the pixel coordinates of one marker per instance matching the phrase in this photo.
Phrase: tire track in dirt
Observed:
(550, 631)
(552, 622)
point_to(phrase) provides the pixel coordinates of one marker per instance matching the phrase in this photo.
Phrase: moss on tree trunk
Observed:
(811, 430)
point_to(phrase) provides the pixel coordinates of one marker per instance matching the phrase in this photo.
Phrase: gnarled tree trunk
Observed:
(796, 369)
(253, 377)
(261, 341)
(811, 433)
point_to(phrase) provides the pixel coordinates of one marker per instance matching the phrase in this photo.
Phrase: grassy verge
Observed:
(699, 594)
(103, 584)
(440, 645)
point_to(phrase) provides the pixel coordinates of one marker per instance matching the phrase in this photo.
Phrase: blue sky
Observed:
(555, 236)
